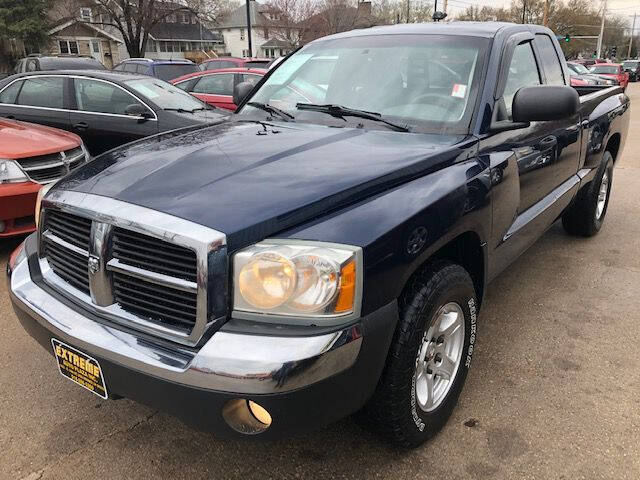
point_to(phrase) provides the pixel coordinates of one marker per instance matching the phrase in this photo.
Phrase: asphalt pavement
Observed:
(553, 392)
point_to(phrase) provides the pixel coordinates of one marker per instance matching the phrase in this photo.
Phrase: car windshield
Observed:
(607, 69)
(428, 82)
(165, 95)
(580, 69)
(168, 71)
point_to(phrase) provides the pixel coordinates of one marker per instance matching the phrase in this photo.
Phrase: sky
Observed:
(619, 7)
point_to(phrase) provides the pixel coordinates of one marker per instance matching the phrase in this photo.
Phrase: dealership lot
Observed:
(553, 392)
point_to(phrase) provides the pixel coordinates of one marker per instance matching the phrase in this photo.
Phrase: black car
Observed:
(37, 63)
(106, 108)
(633, 67)
(163, 69)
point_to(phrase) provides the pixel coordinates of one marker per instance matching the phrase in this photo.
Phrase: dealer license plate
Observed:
(79, 368)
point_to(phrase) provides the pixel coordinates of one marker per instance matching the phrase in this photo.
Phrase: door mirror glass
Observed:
(545, 103)
(241, 92)
(137, 110)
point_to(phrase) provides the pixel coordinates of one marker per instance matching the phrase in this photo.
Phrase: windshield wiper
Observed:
(270, 109)
(339, 111)
(184, 110)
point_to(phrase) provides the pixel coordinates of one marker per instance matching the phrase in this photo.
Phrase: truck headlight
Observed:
(10, 172)
(41, 193)
(297, 278)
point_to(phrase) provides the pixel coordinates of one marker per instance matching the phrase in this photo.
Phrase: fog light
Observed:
(246, 416)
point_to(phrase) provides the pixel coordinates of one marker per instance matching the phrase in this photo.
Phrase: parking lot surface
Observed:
(553, 393)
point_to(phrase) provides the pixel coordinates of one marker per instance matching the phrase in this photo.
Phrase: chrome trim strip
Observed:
(44, 166)
(228, 362)
(158, 278)
(206, 242)
(99, 282)
(63, 243)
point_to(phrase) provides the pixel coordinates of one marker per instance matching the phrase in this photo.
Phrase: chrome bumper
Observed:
(228, 362)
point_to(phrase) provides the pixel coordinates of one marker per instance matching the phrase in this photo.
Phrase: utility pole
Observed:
(408, 9)
(545, 18)
(249, 27)
(524, 9)
(633, 31)
(604, 12)
(435, 8)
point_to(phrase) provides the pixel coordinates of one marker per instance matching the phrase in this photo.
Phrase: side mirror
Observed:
(241, 91)
(544, 103)
(138, 110)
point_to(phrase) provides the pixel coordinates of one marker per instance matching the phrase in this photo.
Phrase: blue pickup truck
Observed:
(326, 250)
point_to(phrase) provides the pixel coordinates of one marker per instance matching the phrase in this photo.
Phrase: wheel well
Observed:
(466, 251)
(613, 146)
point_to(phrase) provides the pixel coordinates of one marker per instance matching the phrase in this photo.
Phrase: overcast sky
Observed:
(619, 7)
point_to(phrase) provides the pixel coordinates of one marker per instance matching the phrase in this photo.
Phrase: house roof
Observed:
(183, 31)
(68, 21)
(238, 17)
(276, 43)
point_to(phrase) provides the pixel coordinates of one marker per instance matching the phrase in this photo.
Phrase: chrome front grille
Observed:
(169, 280)
(51, 167)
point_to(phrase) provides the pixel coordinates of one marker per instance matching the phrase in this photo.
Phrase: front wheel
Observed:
(429, 357)
(586, 215)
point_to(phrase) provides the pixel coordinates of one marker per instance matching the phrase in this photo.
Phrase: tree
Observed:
(135, 19)
(25, 20)
(289, 23)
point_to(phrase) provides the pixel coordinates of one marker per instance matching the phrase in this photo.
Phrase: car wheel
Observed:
(586, 215)
(429, 356)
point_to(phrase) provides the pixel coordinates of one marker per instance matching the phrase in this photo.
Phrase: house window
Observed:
(68, 46)
(242, 34)
(85, 14)
(185, 17)
(171, 18)
(245, 53)
(95, 46)
(151, 46)
(266, 33)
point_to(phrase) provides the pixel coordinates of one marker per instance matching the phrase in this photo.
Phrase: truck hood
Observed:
(21, 139)
(251, 180)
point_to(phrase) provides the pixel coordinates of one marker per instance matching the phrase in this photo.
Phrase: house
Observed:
(181, 35)
(73, 35)
(270, 36)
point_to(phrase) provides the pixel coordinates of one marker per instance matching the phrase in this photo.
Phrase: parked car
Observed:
(215, 87)
(106, 108)
(613, 71)
(163, 69)
(37, 63)
(30, 156)
(580, 75)
(233, 62)
(301, 261)
(632, 67)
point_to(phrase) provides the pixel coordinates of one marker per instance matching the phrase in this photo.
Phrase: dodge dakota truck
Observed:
(327, 249)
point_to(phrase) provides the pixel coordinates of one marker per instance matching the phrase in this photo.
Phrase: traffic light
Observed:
(567, 38)
(614, 51)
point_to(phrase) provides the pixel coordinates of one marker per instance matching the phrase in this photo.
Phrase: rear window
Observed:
(170, 71)
(606, 69)
(70, 63)
(257, 64)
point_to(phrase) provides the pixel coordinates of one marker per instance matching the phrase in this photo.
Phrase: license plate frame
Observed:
(79, 367)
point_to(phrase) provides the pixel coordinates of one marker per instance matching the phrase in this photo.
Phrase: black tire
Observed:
(393, 410)
(581, 218)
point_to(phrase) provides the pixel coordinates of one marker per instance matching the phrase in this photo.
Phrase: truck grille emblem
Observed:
(94, 264)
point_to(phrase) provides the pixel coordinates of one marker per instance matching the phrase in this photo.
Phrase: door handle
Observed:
(81, 126)
(584, 123)
(548, 142)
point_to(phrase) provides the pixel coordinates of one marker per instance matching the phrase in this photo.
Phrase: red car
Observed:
(31, 155)
(233, 62)
(215, 87)
(613, 71)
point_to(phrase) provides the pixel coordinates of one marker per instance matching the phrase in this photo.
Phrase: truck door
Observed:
(545, 155)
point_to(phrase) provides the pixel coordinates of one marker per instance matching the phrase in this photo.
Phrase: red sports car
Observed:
(215, 87)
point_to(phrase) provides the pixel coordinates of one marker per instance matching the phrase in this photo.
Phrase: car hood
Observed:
(251, 180)
(21, 139)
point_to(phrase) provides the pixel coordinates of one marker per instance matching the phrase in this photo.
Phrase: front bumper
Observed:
(17, 208)
(304, 381)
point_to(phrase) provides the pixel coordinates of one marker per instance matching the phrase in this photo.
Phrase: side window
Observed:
(523, 72)
(183, 85)
(247, 77)
(131, 67)
(213, 65)
(226, 64)
(42, 92)
(10, 93)
(221, 84)
(550, 61)
(119, 68)
(101, 97)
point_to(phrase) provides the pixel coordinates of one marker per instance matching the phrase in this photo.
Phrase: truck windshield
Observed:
(427, 82)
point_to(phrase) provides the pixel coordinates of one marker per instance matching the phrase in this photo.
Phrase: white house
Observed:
(266, 32)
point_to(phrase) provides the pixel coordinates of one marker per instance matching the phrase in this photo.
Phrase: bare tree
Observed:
(289, 17)
(135, 19)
